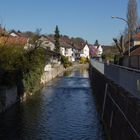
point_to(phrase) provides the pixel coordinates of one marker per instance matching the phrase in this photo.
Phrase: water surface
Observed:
(64, 110)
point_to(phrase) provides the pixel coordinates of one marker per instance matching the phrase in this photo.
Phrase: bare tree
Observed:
(132, 16)
(120, 45)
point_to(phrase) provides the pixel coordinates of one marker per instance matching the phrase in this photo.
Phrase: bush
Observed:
(65, 61)
(118, 59)
(30, 64)
(32, 68)
(83, 60)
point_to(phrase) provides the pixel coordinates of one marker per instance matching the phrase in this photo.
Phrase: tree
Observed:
(120, 45)
(96, 43)
(132, 16)
(56, 38)
(34, 41)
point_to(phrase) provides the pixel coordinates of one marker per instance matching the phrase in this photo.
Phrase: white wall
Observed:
(49, 75)
(85, 52)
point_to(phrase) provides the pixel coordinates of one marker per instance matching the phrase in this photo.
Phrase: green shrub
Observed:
(118, 59)
(33, 67)
(30, 64)
(65, 61)
(83, 60)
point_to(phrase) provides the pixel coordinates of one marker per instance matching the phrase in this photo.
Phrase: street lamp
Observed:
(128, 32)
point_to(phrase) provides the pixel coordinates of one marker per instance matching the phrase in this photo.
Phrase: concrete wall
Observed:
(49, 75)
(8, 97)
(125, 77)
(119, 109)
(131, 61)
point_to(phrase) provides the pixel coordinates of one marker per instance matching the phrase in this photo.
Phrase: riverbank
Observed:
(64, 109)
(118, 108)
(53, 73)
(9, 95)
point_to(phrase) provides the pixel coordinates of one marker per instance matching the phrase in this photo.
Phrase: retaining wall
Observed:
(125, 77)
(119, 109)
(8, 97)
(49, 75)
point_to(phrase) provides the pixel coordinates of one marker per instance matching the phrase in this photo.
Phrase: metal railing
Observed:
(125, 77)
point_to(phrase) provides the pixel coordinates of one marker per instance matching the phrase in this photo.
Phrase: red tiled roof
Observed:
(14, 40)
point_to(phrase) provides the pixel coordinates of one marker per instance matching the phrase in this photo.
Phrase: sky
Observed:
(88, 19)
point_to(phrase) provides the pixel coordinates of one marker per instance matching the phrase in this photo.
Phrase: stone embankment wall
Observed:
(51, 74)
(54, 72)
(119, 109)
(8, 97)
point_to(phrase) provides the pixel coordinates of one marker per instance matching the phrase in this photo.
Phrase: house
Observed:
(85, 52)
(136, 39)
(68, 52)
(47, 43)
(15, 34)
(135, 44)
(13, 39)
(134, 51)
(96, 51)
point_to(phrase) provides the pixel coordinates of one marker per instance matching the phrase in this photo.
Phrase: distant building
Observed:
(85, 52)
(136, 39)
(67, 52)
(96, 51)
(46, 43)
(12, 38)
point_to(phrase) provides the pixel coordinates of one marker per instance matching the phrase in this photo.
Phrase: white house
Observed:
(13, 34)
(85, 52)
(96, 51)
(46, 43)
(62, 50)
(68, 52)
(100, 50)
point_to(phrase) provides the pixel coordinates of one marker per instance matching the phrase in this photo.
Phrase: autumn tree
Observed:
(57, 38)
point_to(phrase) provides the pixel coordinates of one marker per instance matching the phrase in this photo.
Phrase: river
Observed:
(65, 109)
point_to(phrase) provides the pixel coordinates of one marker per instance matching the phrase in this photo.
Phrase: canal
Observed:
(65, 109)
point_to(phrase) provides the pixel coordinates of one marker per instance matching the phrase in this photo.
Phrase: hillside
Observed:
(66, 41)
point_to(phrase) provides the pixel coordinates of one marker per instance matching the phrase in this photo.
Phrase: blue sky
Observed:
(89, 19)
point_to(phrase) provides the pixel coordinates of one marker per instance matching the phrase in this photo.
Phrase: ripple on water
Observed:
(65, 110)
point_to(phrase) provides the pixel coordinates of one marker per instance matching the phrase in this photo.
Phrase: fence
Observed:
(119, 110)
(125, 77)
(131, 61)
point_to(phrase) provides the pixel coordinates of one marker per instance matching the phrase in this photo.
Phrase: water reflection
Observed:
(82, 72)
(64, 110)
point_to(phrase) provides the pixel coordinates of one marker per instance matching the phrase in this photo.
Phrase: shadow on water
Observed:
(64, 110)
